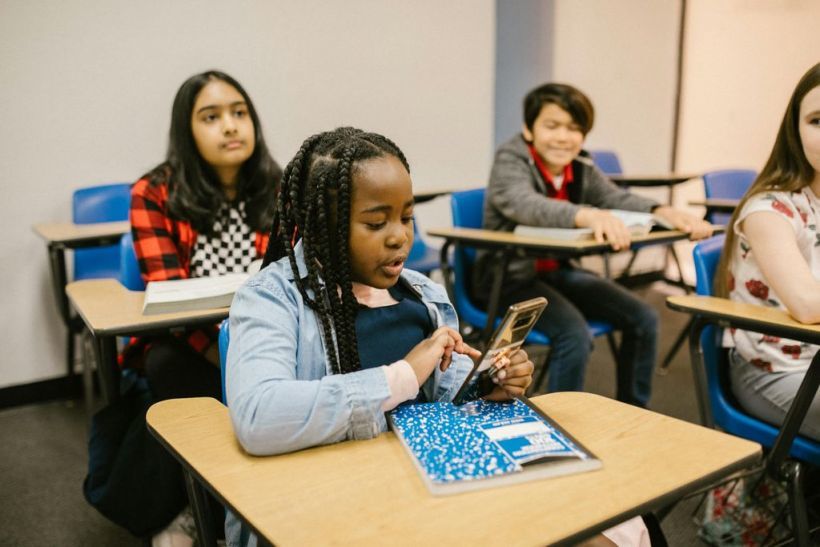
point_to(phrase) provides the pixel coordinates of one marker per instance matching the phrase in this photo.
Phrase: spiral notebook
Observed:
(484, 444)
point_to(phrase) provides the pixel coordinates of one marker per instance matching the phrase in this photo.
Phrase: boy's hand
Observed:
(437, 350)
(513, 378)
(605, 227)
(697, 228)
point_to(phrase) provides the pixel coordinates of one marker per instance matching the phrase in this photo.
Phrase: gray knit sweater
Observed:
(517, 194)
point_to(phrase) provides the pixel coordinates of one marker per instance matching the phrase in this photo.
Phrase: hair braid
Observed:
(314, 207)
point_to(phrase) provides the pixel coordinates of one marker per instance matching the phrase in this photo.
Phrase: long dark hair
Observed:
(314, 206)
(194, 191)
(787, 170)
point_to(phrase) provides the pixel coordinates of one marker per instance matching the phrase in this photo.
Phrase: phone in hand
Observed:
(507, 338)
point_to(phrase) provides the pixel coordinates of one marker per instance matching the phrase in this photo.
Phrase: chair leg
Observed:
(673, 350)
(69, 356)
(613, 346)
(797, 502)
(87, 362)
(201, 510)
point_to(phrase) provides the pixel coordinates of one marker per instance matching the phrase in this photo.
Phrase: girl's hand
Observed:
(697, 228)
(437, 350)
(513, 378)
(605, 227)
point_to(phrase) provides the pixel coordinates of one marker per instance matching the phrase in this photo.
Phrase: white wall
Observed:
(743, 59)
(623, 56)
(87, 88)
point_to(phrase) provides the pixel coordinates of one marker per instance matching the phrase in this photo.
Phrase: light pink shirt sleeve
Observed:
(402, 383)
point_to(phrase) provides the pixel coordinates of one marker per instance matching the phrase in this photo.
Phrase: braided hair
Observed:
(313, 206)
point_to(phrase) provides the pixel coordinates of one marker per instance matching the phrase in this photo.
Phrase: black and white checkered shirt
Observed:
(229, 249)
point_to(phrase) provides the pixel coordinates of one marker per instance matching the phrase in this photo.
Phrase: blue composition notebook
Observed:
(483, 444)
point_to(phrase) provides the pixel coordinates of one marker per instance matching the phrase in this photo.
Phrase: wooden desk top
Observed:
(109, 309)
(746, 316)
(717, 204)
(496, 239)
(370, 493)
(663, 179)
(70, 234)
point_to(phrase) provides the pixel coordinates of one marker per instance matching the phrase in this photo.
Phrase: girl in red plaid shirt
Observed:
(206, 210)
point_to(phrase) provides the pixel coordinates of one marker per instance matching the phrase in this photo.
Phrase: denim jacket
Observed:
(281, 394)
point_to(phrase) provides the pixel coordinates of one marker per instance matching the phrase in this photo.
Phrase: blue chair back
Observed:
(422, 257)
(129, 274)
(468, 210)
(224, 340)
(727, 184)
(726, 412)
(107, 203)
(607, 161)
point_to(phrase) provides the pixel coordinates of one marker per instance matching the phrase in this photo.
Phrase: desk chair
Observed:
(422, 257)
(468, 209)
(129, 271)
(607, 161)
(726, 412)
(105, 203)
(726, 184)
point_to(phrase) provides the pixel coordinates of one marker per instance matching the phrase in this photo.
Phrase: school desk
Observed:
(728, 313)
(670, 180)
(508, 245)
(427, 195)
(716, 205)
(109, 310)
(370, 492)
(60, 236)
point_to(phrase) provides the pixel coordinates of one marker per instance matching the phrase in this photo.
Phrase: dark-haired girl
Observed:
(772, 258)
(334, 331)
(205, 211)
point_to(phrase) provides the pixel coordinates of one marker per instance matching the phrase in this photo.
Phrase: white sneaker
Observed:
(180, 533)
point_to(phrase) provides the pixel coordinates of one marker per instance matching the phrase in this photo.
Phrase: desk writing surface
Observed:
(493, 238)
(68, 232)
(652, 179)
(751, 314)
(370, 493)
(109, 309)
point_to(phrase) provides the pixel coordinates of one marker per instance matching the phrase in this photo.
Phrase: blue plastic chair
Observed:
(468, 209)
(607, 161)
(107, 203)
(726, 184)
(224, 340)
(726, 412)
(422, 257)
(129, 271)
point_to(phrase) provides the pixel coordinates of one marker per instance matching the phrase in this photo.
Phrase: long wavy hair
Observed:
(787, 170)
(194, 191)
(313, 207)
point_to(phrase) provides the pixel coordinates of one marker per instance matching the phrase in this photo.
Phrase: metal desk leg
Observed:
(107, 368)
(495, 294)
(699, 371)
(201, 509)
(446, 270)
(59, 279)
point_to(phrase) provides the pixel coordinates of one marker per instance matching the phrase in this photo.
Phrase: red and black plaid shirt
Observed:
(163, 247)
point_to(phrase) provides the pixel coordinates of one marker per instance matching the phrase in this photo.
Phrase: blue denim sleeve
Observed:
(279, 395)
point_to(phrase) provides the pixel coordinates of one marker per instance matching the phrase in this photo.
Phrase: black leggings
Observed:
(175, 370)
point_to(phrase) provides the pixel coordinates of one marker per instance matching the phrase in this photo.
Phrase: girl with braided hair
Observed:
(334, 331)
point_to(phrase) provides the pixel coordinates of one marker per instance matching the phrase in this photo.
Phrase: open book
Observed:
(199, 293)
(639, 224)
(483, 444)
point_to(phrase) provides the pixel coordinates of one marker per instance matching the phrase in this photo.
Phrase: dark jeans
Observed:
(575, 295)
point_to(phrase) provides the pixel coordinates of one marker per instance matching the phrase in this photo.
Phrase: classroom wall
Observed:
(88, 85)
(743, 59)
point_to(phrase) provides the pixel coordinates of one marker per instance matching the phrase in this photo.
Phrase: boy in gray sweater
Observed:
(539, 179)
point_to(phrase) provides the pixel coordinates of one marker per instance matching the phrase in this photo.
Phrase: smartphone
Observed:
(507, 338)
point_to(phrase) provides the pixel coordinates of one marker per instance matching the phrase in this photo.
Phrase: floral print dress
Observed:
(747, 284)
